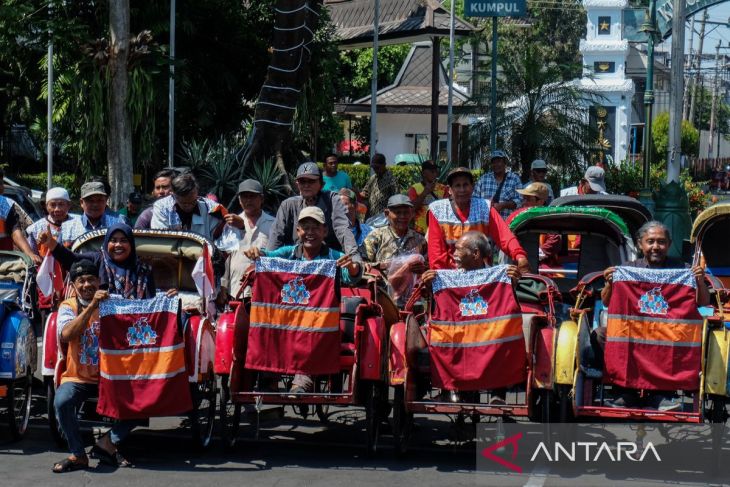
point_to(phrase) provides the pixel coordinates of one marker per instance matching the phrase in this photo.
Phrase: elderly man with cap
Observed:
(397, 239)
(449, 219)
(538, 174)
(593, 182)
(255, 224)
(533, 195)
(309, 182)
(426, 192)
(500, 186)
(381, 186)
(311, 230)
(58, 204)
(162, 186)
(185, 210)
(94, 200)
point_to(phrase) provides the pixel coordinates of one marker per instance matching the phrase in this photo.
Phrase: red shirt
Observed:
(441, 257)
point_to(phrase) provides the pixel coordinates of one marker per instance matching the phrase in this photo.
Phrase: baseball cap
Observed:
(308, 170)
(538, 190)
(135, 198)
(83, 267)
(399, 200)
(464, 171)
(57, 194)
(596, 178)
(538, 164)
(250, 186)
(312, 212)
(429, 165)
(90, 189)
(496, 154)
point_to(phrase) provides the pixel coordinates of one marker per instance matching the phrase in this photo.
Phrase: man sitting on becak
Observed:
(185, 210)
(94, 199)
(78, 326)
(654, 240)
(449, 219)
(311, 232)
(473, 251)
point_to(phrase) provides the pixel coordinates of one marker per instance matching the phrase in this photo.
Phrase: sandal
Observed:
(69, 465)
(115, 459)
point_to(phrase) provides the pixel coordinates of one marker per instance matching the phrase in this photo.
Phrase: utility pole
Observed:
(687, 70)
(171, 91)
(674, 158)
(450, 122)
(650, 28)
(698, 67)
(49, 107)
(713, 112)
(374, 85)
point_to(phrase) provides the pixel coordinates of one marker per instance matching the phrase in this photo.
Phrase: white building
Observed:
(604, 58)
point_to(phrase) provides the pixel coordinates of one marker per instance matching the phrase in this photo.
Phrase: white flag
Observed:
(44, 279)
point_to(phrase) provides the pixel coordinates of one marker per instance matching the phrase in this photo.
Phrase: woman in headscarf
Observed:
(120, 271)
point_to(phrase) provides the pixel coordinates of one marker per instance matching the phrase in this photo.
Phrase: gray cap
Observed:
(596, 178)
(308, 170)
(313, 212)
(538, 164)
(250, 186)
(92, 188)
(497, 154)
(399, 200)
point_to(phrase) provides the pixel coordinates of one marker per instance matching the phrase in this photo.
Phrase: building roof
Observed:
(401, 21)
(411, 91)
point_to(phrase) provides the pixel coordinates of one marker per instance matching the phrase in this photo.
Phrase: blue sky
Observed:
(718, 13)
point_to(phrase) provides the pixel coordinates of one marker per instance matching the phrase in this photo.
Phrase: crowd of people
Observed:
(454, 224)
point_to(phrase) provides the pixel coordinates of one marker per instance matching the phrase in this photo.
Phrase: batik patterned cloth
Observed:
(295, 317)
(475, 333)
(654, 335)
(142, 359)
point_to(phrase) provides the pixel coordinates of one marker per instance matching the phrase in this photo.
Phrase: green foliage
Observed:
(703, 111)
(39, 181)
(405, 176)
(356, 69)
(215, 164)
(660, 137)
(274, 180)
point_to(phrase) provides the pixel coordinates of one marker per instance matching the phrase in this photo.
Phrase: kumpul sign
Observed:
(495, 8)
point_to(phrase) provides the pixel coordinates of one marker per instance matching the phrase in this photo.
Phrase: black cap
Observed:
(135, 197)
(460, 171)
(83, 267)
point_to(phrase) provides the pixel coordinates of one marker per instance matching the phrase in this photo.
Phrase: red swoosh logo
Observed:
(512, 440)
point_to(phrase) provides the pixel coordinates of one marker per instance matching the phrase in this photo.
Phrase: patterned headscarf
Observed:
(128, 278)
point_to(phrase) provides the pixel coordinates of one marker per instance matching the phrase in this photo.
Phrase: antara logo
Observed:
(591, 452)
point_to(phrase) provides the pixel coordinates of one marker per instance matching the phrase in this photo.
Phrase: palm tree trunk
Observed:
(294, 26)
(119, 132)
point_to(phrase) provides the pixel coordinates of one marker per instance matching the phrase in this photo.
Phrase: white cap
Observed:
(57, 194)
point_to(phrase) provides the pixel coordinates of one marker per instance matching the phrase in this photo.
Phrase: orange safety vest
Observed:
(452, 226)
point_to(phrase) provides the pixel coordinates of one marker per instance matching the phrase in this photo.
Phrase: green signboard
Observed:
(495, 8)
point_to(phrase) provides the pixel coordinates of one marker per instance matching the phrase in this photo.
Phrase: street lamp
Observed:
(650, 28)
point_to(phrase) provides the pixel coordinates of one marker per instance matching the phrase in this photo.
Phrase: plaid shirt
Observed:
(379, 191)
(487, 186)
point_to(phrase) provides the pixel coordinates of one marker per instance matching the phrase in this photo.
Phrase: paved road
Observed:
(289, 452)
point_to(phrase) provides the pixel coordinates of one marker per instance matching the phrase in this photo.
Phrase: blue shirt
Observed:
(287, 252)
(487, 186)
(336, 182)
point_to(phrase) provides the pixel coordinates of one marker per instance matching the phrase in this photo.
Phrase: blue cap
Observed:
(497, 154)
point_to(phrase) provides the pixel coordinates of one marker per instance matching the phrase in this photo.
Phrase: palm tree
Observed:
(540, 114)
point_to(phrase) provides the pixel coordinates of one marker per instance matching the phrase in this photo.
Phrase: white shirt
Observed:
(253, 236)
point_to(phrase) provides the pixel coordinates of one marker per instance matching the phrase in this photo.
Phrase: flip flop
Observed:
(115, 459)
(69, 465)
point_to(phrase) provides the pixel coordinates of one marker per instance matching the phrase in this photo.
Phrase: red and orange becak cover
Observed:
(654, 335)
(142, 370)
(475, 332)
(295, 317)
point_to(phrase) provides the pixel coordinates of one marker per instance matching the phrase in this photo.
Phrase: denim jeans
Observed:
(69, 398)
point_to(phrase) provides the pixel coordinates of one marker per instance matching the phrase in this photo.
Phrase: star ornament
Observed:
(604, 26)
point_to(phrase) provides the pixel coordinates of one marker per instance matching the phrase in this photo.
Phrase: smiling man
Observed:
(309, 182)
(94, 200)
